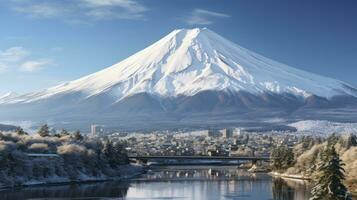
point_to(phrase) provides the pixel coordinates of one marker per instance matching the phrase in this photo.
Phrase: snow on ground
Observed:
(324, 127)
(127, 172)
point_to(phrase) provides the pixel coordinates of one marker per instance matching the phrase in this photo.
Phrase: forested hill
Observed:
(6, 127)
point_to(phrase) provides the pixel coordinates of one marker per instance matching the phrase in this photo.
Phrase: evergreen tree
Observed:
(289, 159)
(77, 135)
(109, 153)
(121, 153)
(351, 141)
(332, 140)
(20, 131)
(275, 158)
(282, 157)
(329, 184)
(64, 132)
(44, 131)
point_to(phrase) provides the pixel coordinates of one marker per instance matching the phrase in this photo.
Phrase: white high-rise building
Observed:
(96, 129)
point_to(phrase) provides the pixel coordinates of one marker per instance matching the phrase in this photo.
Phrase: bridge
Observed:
(145, 159)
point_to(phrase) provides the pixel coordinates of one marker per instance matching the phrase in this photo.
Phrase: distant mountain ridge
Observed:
(6, 127)
(186, 74)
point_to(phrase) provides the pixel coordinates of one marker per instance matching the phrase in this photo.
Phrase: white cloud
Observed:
(35, 65)
(80, 11)
(41, 10)
(13, 54)
(129, 5)
(18, 58)
(204, 17)
(114, 9)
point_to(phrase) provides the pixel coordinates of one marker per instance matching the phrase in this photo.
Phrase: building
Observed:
(97, 129)
(227, 133)
(213, 133)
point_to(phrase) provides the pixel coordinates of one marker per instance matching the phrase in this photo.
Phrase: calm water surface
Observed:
(184, 182)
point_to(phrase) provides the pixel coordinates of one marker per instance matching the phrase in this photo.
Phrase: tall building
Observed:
(213, 132)
(227, 133)
(96, 129)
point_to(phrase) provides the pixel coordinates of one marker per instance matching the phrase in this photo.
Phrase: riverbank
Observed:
(290, 176)
(351, 185)
(172, 182)
(126, 172)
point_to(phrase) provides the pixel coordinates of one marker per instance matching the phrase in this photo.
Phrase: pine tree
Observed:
(77, 135)
(288, 157)
(20, 131)
(276, 159)
(282, 157)
(109, 153)
(44, 131)
(329, 184)
(332, 140)
(64, 132)
(351, 141)
(121, 153)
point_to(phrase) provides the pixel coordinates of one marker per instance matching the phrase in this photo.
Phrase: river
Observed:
(175, 182)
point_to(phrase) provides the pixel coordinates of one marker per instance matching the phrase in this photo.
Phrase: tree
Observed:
(349, 141)
(115, 154)
(282, 157)
(77, 135)
(64, 132)
(121, 153)
(20, 131)
(44, 131)
(330, 176)
(332, 140)
(276, 158)
(109, 153)
(289, 159)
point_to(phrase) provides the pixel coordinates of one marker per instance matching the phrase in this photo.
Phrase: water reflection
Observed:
(285, 189)
(82, 191)
(211, 183)
(197, 182)
(201, 173)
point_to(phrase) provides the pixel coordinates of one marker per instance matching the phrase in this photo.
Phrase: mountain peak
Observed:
(196, 29)
(190, 77)
(189, 61)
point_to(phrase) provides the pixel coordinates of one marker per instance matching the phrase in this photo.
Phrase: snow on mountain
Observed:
(324, 127)
(8, 96)
(189, 61)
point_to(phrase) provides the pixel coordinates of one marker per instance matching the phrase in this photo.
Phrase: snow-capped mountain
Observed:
(8, 96)
(189, 61)
(189, 70)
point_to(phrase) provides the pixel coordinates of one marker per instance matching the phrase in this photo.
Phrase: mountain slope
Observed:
(186, 62)
(189, 71)
(8, 96)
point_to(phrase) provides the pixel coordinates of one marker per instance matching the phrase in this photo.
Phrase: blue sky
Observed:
(47, 42)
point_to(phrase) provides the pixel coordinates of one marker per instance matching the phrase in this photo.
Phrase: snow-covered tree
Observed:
(20, 131)
(282, 157)
(44, 131)
(64, 132)
(329, 183)
(77, 135)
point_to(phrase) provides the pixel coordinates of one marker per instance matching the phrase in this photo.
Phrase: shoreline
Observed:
(138, 170)
(290, 176)
(302, 178)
